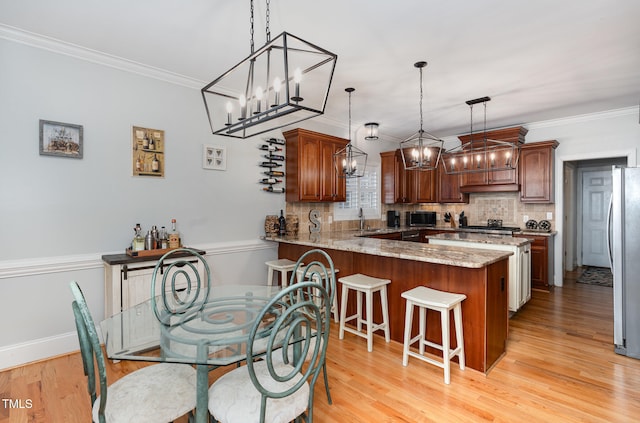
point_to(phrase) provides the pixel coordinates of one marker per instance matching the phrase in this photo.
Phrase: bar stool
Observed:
(431, 299)
(366, 285)
(316, 270)
(284, 266)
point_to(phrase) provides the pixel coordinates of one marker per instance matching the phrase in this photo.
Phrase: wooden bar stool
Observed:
(316, 270)
(366, 285)
(431, 299)
(284, 266)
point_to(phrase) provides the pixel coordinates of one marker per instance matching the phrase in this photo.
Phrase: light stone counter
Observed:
(354, 241)
(482, 238)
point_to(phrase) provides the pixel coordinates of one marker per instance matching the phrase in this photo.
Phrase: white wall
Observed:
(60, 215)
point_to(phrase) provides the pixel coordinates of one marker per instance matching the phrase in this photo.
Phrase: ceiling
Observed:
(537, 60)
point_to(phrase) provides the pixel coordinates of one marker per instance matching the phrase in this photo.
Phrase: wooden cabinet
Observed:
(405, 186)
(536, 172)
(541, 261)
(310, 170)
(449, 187)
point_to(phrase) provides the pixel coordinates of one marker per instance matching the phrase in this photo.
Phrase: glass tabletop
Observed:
(214, 333)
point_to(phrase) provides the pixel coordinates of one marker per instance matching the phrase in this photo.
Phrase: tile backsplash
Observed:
(482, 206)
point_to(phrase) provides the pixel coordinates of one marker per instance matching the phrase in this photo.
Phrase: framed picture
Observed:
(148, 152)
(214, 157)
(60, 139)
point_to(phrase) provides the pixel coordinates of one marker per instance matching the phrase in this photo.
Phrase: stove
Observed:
(493, 226)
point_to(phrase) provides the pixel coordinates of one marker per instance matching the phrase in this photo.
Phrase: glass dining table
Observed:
(211, 335)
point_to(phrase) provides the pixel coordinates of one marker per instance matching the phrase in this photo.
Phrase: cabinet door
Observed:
(449, 188)
(388, 178)
(525, 277)
(425, 186)
(332, 187)
(536, 172)
(539, 262)
(309, 160)
(500, 177)
(404, 180)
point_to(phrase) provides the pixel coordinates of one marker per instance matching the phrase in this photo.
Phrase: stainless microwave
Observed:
(421, 218)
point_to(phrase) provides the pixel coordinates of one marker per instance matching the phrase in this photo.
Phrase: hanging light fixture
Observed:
(371, 131)
(285, 81)
(350, 162)
(422, 150)
(481, 155)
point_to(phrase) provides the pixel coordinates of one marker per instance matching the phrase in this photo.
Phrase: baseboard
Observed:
(38, 349)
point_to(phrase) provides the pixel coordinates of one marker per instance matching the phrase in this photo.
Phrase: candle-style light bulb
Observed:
(493, 159)
(453, 163)
(258, 100)
(297, 78)
(243, 107)
(277, 85)
(479, 160)
(507, 161)
(464, 162)
(229, 110)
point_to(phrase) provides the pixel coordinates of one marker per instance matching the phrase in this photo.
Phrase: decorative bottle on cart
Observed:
(138, 240)
(174, 236)
(283, 224)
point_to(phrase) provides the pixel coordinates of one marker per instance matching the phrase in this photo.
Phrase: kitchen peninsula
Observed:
(482, 275)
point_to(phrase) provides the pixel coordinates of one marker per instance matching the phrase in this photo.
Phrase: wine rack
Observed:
(272, 162)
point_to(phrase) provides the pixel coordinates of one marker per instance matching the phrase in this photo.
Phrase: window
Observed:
(361, 193)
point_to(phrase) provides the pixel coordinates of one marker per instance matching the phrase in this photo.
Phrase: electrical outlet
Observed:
(549, 216)
(525, 218)
(329, 220)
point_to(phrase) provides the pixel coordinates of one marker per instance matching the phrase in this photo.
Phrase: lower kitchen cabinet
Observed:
(519, 267)
(127, 280)
(541, 261)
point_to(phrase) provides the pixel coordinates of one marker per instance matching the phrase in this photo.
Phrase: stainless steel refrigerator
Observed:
(624, 255)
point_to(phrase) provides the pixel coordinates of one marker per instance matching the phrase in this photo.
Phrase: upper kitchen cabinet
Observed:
(487, 180)
(449, 186)
(536, 172)
(405, 186)
(310, 170)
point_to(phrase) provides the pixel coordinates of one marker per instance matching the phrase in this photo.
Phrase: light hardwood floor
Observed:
(559, 367)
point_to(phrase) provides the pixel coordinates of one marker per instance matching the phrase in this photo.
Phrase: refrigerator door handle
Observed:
(609, 232)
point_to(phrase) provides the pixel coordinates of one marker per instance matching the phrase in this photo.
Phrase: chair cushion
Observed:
(158, 393)
(234, 399)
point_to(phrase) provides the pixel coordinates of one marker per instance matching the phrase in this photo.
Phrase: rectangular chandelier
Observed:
(284, 82)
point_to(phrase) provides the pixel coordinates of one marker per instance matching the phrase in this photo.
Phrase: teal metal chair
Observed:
(272, 390)
(319, 269)
(157, 393)
(180, 284)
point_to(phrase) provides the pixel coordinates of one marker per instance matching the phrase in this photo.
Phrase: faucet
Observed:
(361, 216)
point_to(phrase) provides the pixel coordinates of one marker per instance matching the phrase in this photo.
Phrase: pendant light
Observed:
(371, 131)
(285, 81)
(350, 162)
(422, 150)
(481, 155)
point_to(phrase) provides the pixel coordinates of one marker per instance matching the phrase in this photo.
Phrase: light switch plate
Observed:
(214, 157)
(549, 215)
(525, 218)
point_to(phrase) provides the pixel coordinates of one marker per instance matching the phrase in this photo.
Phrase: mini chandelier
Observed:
(350, 161)
(285, 81)
(481, 155)
(372, 131)
(422, 150)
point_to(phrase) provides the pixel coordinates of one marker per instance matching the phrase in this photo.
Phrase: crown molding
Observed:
(54, 45)
(589, 117)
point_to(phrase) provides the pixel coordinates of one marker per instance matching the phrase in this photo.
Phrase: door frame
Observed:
(559, 241)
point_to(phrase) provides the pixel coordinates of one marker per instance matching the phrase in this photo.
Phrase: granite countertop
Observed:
(354, 241)
(482, 238)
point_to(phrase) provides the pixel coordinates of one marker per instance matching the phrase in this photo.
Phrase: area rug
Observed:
(596, 276)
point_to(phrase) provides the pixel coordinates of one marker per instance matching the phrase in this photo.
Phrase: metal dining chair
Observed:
(157, 393)
(278, 390)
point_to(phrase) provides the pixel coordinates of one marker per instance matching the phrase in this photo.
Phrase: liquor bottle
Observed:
(138, 240)
(155, 164)
(270, 181)
(138, 164)
(145, 142)
(274, 173)
(272, 189)
(269, 147)
(164, 241)
(282, 223)
(270, 164)
(152, 144)
(274, 157)
(174, 236)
